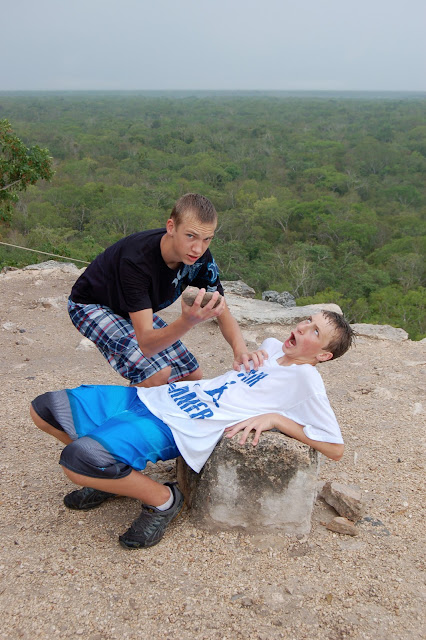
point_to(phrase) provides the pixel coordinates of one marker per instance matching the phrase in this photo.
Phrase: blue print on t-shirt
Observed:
(188, 271)
(252, 377)
(212, 271)
(218, 392)
(188, 401)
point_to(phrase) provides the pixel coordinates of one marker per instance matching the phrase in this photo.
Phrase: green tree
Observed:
(20, 166)
(392, 305)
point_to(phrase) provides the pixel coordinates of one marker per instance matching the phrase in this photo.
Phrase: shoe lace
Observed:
(86, 491)
(147, 520)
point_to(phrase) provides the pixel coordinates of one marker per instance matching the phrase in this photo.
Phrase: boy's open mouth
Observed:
(291, 341)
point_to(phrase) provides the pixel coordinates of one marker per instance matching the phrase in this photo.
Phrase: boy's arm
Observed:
(152, 341)
(268, 421)
(233, 336)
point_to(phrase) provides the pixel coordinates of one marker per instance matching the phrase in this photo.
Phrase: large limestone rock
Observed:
(380, 331)
(270, 486)
(67, 267)
(251, 312)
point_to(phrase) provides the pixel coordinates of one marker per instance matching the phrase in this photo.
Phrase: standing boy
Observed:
(114, 302)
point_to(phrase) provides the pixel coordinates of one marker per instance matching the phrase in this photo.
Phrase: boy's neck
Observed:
(166, 249)
(285, 361)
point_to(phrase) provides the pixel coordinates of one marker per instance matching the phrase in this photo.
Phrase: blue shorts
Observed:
(112, 430)
(116, 340)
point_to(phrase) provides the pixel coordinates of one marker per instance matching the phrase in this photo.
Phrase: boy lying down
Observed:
(111, 432)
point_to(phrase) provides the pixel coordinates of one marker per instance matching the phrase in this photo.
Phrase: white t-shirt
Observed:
(197, 412)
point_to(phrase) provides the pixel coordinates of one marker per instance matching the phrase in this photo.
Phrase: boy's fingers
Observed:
(255, 360)
(247, 430)
(257, 436)
(245, 362)
(212, 300)
(199, 297)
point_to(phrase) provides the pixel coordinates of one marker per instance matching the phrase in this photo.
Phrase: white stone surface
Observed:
(381, 332)
(247, 311)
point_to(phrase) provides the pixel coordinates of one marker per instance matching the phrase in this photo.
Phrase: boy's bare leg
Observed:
(195, 375)
(135, 485)
(47, 428)
(159, 378)
(162, 377)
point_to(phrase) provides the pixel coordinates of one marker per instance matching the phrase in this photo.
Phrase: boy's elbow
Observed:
(337, 452)
(145, 347)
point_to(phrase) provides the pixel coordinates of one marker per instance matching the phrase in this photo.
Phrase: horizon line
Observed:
(221, 90)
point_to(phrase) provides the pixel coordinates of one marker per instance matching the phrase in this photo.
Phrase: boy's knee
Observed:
(37, 419)
(156, 380)
(87, 457)
(76, 458)
(195, 375)
(34, 415)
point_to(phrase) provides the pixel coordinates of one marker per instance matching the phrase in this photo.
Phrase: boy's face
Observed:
(308, 342)
(190, 239)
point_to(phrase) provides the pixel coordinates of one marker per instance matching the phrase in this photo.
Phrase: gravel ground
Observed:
(63, 574)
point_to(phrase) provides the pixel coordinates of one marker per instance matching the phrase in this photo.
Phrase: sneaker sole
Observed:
(88, 507)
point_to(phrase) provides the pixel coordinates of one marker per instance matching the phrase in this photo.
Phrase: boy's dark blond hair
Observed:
(343, 336)
(194, 203)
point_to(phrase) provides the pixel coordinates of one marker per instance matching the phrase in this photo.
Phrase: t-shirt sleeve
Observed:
(135, 286)
(208, 276)
(317, 419)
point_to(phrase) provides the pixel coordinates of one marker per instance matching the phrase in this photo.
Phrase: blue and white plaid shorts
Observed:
(116, 340)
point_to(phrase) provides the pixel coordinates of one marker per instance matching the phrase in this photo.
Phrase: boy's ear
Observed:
(324, 356)
(170, 226)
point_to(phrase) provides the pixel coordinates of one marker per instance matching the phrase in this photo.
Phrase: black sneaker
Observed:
(148, 529)
(86, 498)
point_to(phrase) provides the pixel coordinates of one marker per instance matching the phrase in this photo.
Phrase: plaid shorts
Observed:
(116, 340)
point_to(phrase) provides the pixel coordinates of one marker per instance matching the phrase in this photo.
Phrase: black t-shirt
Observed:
(131, 275)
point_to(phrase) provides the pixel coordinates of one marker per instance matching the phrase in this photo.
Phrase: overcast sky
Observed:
(213, 44)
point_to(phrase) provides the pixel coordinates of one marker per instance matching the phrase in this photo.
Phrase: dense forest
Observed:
(319, 196)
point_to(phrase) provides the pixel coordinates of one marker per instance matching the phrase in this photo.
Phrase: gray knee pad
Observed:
(88, 457)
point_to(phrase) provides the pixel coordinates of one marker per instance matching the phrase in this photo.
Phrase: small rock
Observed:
(417, 409)
(56, 303)
(382, 393)
(285, 298)
(350, 544)
(238, 288)
(342, 525)
(85, 345)
(191, 293)
(24, 341)
(236, 596)
(6, 269)
(346, 499)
